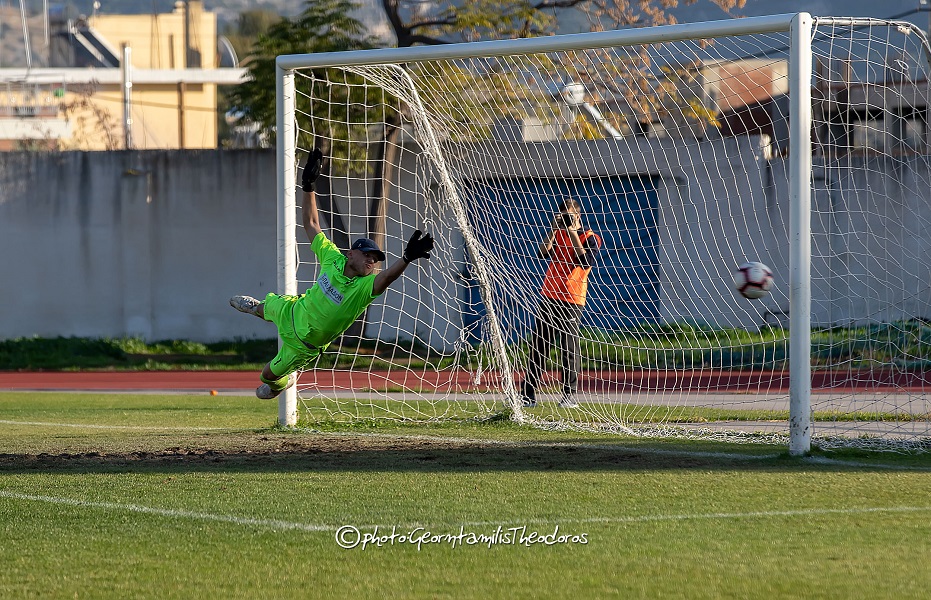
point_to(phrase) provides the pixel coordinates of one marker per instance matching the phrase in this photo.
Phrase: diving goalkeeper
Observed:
(345, 286)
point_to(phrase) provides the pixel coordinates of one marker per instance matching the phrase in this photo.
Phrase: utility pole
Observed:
(925, 6)
(22, 15)
(187, 34)
(181, 89)
(45, 23)
(126, 65)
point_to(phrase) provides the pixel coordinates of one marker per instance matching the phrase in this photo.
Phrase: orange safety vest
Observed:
(565, 279)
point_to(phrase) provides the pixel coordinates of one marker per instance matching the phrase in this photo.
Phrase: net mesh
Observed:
(678, 155)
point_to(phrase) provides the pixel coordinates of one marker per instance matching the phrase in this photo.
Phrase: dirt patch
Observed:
(348, 452)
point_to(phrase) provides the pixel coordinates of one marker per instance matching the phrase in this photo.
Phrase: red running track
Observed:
(610, 382)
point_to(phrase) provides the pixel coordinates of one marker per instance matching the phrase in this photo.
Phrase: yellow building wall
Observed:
(160, 112)
(157, 118)
(95, 123)
(158, 40)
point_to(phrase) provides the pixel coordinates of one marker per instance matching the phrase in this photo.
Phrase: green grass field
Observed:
(175, 496)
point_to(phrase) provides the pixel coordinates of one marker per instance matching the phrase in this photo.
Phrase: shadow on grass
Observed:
(346, 453)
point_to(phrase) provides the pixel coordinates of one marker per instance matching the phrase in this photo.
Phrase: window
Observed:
(868, 134)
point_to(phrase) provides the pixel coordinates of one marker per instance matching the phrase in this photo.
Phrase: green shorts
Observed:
(294, 354)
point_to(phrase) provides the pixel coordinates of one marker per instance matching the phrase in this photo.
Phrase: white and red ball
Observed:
(753, 280)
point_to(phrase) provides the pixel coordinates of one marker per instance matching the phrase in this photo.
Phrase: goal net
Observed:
(796, 142)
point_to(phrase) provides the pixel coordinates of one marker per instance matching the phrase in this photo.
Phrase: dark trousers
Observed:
(557, 323)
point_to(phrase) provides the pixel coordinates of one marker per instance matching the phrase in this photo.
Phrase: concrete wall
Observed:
(717, 209)
(148, 244)
(153, 243)
(871, 243)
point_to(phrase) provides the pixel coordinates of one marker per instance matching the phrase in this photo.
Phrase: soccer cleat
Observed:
(528, 396)
(265, 391)
(568, 402)
(246, 304)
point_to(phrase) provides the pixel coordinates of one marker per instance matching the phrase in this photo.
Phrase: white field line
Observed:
(277, 524)
(164, 512)
(805, 512)
(95, 426)
(821, 460)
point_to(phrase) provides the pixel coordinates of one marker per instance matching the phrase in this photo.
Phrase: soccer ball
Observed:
(753, 280)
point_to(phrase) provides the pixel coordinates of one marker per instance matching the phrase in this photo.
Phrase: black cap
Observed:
(368, 246)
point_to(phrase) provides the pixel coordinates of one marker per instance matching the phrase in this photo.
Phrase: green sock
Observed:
(276, 384)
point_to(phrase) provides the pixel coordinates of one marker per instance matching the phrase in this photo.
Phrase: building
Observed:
(120, 81)
(687, 102)
(851, 115)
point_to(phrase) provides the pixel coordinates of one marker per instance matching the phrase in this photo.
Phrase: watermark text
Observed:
(351, 537)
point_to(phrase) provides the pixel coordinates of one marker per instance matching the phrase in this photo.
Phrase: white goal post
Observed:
(702, 133)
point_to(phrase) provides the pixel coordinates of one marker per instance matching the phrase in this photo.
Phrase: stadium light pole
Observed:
(287, 219)
(800, 162)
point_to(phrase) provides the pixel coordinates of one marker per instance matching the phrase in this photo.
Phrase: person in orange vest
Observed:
(571, 250)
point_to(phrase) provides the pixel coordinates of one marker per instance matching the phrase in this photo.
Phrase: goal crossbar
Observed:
(557, 43)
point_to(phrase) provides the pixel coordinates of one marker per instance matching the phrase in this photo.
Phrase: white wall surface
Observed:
(148, 244)
(154, 243)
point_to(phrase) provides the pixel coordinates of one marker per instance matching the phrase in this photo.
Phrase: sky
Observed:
(702, 10)
(705, 10)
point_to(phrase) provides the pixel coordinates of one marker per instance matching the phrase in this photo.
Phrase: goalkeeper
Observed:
(345, 286)
(571, 250)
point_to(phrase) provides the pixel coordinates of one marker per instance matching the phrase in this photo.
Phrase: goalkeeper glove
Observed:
(311, 170)
(419, 246)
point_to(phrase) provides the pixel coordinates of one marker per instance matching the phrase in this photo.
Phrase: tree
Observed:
(242, 35)
(647, 93)
(413, 24)
(92, 122)
(604, 15)
(251, 24)
(324, 26)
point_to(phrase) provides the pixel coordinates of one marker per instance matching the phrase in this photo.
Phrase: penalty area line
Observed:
(171, 513)
(805, 512)
(280, 525)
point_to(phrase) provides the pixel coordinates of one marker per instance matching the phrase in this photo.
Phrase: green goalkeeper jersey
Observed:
(334, 301)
